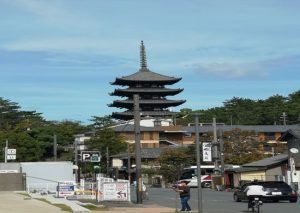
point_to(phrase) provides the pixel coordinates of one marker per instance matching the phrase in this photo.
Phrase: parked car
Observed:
(275, 191)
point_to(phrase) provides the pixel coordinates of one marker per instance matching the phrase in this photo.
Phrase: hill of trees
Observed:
(32, 134)
(244, 111)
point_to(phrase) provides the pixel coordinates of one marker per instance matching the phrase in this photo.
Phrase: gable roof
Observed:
(146, 153)
(268, 162)
(290, 133)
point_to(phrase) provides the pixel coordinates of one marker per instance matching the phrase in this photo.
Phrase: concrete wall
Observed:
(272, 173)
(12, 182)
(10, 166)
(46, 175)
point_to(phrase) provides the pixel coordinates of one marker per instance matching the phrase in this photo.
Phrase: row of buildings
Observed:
(157, 137)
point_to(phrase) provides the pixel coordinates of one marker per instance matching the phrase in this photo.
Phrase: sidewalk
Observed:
(72, 204)
(144, 209)
(15, 203)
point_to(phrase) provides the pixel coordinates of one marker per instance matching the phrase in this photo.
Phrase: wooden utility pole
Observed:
(5, 151)
(77, 173)
(137, 131)
(198, 147)
(215, 146)
(107, 162)
(128, 162)
(222, 155)
(54, 147)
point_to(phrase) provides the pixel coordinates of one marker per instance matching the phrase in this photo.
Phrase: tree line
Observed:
(33, 135)
(274, 110)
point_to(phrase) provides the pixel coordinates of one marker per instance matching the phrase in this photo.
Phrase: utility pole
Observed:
(199, 189)
(107, 162)
(222, 154)
(137, 131)
(5, 150)
(284, 118)
(128, 161)
(76, 160)
(215, 145)
(55, 147)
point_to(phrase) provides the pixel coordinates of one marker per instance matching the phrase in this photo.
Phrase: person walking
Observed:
(184, 193)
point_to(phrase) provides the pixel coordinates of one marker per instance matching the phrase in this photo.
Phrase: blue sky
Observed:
(58, 56)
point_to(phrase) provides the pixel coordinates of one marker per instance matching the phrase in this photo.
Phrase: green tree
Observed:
(173, 161)
(240, 147)
(106, 138)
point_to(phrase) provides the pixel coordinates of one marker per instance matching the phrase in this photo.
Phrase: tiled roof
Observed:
(278, 159)
(146, 76)
(204, 129)
(146, 153)
(255, 128)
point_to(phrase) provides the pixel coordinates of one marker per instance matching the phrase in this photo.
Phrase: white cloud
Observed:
(231, 70)
(235, 70)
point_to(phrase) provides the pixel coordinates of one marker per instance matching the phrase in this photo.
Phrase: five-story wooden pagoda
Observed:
(150, 87)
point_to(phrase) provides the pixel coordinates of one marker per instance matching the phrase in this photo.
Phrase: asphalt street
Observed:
(213, 202)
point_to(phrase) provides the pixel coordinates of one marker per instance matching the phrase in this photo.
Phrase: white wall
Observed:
(46, 175)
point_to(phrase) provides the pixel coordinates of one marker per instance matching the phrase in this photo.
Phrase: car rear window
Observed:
(275, 184)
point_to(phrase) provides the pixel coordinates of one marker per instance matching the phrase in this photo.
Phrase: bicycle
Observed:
(256, 203)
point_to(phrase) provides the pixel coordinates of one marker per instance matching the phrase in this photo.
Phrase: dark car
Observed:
(275, 191)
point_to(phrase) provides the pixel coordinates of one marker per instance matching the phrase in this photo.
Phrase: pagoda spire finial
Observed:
(143, 59)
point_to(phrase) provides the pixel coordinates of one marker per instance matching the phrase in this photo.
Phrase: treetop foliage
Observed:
(245, 111)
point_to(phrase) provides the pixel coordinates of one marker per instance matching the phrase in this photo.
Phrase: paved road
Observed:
(214, 202)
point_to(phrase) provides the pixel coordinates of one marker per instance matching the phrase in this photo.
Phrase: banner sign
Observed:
(206, 151)
(115, 191)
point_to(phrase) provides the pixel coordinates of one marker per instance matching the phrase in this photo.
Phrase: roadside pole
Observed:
(5, 151)
(76, 161)
(222, 156)
(107, 162)
(137, 148)
(128, 162)
(215, 146)
(199, 189)
(54, 147)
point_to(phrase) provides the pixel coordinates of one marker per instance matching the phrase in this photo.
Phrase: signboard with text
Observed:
(206, 150)
(90, 156)
(11, 154)
(115, 191)
(66, 188)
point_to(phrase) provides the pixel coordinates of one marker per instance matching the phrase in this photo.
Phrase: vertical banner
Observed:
(206, 151)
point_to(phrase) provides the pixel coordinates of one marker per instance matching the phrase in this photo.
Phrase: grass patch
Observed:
(63, 207)
(95, 208)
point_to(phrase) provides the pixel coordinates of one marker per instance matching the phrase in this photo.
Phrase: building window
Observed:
(188, 134)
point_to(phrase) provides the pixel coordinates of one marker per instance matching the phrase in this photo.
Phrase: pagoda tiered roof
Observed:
(128, 115)
(158, 90)
(148, 102)
(145, 76)
(150, 86)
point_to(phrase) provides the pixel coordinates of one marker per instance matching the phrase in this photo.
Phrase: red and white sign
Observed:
(115, 191)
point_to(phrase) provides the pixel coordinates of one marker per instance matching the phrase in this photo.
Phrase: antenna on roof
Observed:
(143, 59)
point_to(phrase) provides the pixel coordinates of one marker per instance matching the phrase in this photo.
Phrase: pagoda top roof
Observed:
(144, 74)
